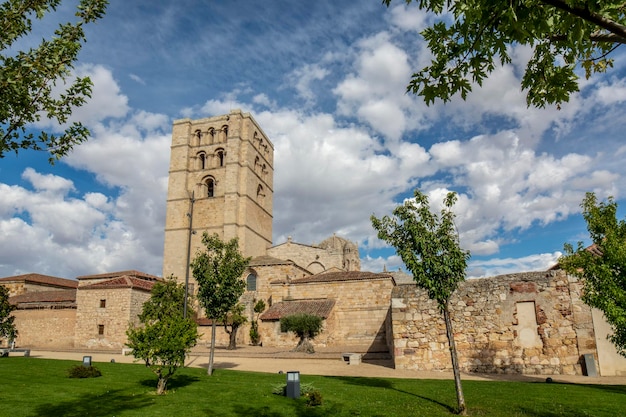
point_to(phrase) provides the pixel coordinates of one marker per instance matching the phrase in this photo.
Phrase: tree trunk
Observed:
(232, 338)
(161, 386)
(455, 362)
(212, 350)
(304, 345)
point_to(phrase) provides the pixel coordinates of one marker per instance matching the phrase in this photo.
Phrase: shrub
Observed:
(314, 398)
(305, 326)
(255, 337)
(81, 371)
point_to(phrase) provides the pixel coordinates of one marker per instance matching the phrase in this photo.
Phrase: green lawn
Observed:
(40, 387)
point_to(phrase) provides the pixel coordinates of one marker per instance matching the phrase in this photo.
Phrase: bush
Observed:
(314, 398)
(81, 371)
(255, 337)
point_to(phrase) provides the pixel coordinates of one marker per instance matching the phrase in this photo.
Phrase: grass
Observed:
(32, 387)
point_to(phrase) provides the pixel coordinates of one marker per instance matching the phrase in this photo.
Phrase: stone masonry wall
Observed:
(529, 323)
(45, 328)
(121, 306)
(358, 317)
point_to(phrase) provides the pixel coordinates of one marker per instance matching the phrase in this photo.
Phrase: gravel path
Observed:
(268, 360)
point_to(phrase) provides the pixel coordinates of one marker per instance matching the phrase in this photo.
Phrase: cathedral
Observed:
(221, 181)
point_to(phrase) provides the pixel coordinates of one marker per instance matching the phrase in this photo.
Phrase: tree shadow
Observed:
(108, 404)
(175, 382)
(384, 383)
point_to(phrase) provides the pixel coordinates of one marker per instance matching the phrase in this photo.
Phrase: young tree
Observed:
(601, 266)
(7, 325)
(233, 320)
(30, 80)
(305, 326)
(255, 337)
(429, 247)
(165, 337)
(218, 272)
(562, 33)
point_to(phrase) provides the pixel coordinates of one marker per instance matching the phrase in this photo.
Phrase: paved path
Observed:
(330, 363)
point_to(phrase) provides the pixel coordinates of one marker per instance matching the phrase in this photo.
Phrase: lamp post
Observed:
(293, 384)
(190, 215)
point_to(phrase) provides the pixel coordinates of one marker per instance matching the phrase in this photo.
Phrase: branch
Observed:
(584, 13)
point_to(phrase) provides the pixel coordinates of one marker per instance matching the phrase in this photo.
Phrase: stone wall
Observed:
(530, 323)
(358, 318)
(45, 328)
(121, 307)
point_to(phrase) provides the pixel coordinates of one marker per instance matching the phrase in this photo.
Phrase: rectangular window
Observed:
(101, 329)
(103, 303)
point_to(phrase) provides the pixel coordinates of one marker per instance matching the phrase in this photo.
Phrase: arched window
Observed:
(202, 160)
(259, 191)
(209, 183)
(220, 157)
(197, 135)
(256, 162)
(225, 132)
(211, 135)
(251, 282)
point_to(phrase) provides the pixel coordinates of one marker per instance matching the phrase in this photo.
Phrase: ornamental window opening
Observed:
(101, 329)
(220, 157)
(202, 160)
(211, 135)
(209, 183)
(197, 137)
(251, 282)
(103, 303)
(225, 132)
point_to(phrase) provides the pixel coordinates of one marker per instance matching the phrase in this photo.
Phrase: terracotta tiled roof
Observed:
(44, 297)
(122, 282)
(339, 276)
(268, 260)
(129, 273)
(320, 308)
(42, 279)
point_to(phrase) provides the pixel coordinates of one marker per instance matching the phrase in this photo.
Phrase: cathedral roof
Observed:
(122, 282)
(320, 308)
(268, 260)
(41, 279)
(129, 273)
(342, 276)
(44, 297)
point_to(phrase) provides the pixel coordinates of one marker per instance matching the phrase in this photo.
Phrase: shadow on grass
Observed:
(298, 409)
(109, 404)
(177, 381)
(384, 383)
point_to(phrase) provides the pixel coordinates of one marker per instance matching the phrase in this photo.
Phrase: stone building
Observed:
(221, 181)
(92, 311)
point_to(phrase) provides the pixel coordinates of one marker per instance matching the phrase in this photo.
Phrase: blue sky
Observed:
(326, 80)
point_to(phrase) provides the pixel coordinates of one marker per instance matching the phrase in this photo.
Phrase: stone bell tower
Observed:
(220, 181)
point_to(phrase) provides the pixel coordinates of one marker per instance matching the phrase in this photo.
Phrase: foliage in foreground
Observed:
(601, 267)
(468, 38)
(305, 326)
(82, 371)
(166, 336)
(428, 244)
(40, 387)
(218, 271)
(34, 82)
(7, 325)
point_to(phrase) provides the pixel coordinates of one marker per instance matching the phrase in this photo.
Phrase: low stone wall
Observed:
(45, 328)
(529, 323)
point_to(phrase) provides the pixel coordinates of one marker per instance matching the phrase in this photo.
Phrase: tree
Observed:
(601, 267)
(562, 33)
(429, 247)
(218, 272)
(305, 326)
(166, 336)
(30, 80)
(233, 320)
(255, 337)
(7, 325)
